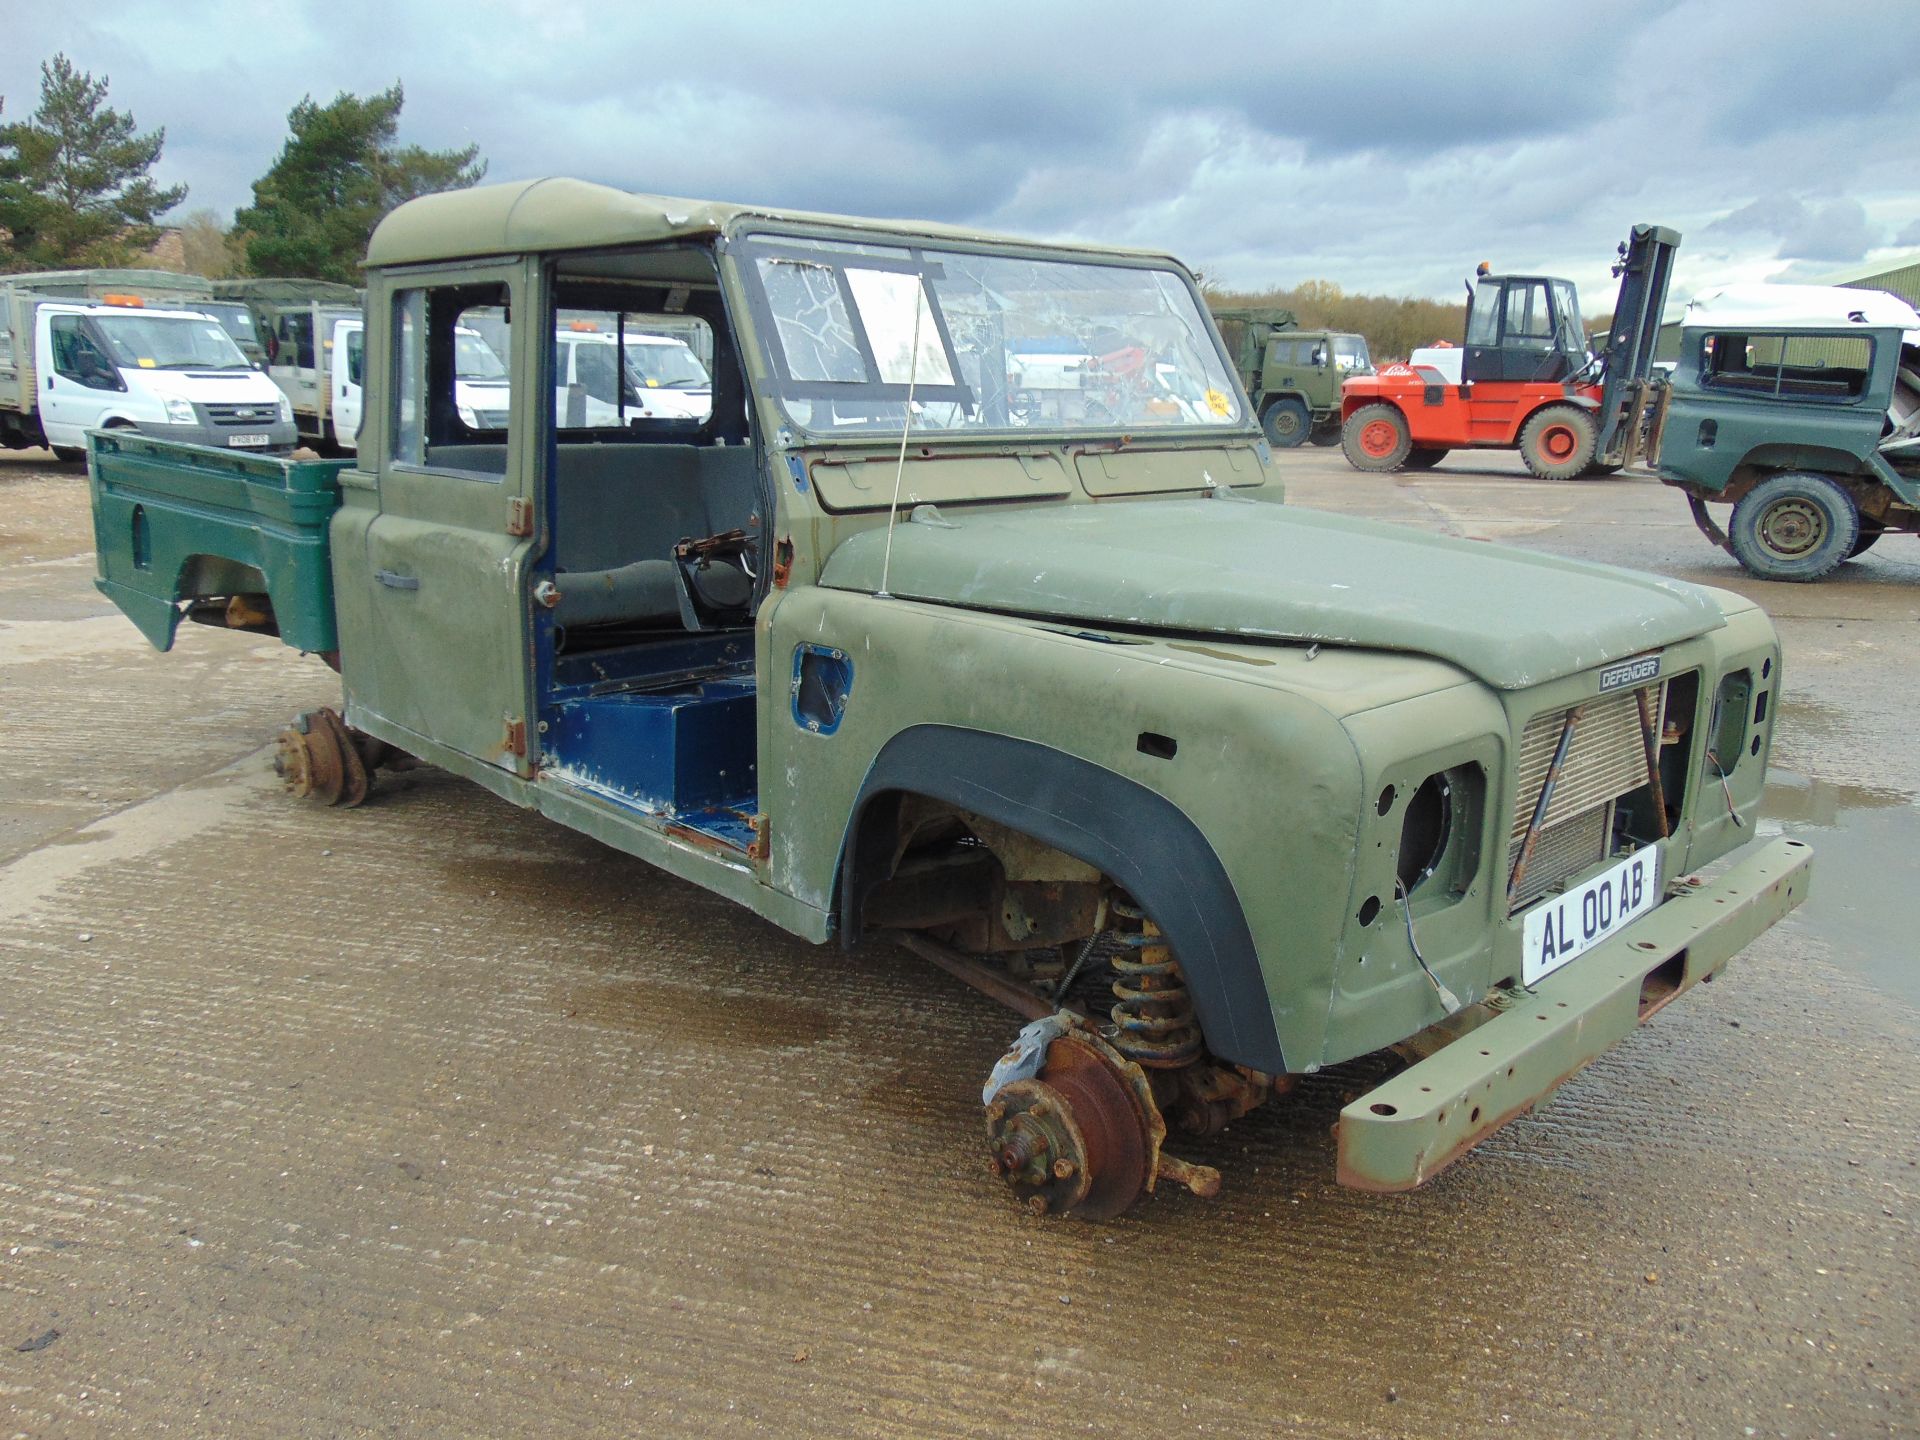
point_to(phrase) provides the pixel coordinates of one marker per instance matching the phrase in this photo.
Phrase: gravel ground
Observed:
(434, 1118)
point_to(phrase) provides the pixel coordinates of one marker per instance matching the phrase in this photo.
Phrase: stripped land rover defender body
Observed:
(1213, 790)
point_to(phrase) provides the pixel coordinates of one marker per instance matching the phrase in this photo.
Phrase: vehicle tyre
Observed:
(1794, 526)
(1870, 531)
(1376, 438)
(1286, 422)
(1425, 457)
(1557, 442)
(67, 455)
(1327, 432)
(1599, 468)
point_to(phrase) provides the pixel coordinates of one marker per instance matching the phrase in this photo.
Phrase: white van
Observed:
(665, 379)
(70, 366)
(480, 386)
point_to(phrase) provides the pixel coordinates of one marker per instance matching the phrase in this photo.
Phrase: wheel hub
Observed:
(1378, 438)
(1558, 443)
(317, 756)
(1082, 1137)
(1792, 528)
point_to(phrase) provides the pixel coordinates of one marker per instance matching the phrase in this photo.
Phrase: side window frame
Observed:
(520, 439)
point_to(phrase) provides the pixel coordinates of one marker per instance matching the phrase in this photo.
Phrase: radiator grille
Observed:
(260, 413)
(1607, 759)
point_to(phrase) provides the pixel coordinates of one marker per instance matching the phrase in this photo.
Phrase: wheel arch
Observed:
(1136, 837)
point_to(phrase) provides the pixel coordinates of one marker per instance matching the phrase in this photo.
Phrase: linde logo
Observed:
(1629, 672)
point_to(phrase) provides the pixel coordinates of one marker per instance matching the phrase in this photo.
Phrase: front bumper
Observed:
(1404, 1132)
(281, 435)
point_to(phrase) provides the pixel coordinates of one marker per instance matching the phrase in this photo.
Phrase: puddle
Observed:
(1863, 841)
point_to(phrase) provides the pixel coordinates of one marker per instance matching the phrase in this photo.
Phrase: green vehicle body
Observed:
(1730, 431)
(1293, 375)
(1080, 665)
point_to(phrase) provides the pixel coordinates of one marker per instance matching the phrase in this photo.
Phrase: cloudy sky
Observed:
(1383, 146)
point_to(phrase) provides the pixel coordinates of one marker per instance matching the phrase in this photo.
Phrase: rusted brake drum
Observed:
(1080, 1138)
(320, 756)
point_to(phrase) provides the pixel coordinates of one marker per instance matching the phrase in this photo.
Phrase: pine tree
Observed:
(340, 171)
(74, 183)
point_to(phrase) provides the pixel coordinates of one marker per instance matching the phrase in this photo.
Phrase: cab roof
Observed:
(565, 214)
(1799, 307)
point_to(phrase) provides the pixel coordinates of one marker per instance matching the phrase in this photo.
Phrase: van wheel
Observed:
(1286, 422)
(1376, 438)
(1795, 526)
(67, 455)
(1557, 442)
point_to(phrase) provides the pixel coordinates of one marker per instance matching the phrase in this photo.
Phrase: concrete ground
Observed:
(433, 1118)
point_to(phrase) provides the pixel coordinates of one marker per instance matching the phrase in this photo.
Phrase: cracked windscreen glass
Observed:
(983, 341)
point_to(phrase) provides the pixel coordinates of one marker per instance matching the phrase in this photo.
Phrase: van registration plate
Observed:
(251, 441)
(1563, 926)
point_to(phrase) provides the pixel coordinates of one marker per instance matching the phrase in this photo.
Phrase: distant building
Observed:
(1897, 275)
(169, 252)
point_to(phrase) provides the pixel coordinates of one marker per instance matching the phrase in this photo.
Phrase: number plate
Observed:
(249, 440)
(1557, 929)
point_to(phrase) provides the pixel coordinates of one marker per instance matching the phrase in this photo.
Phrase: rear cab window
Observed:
(1834, 368)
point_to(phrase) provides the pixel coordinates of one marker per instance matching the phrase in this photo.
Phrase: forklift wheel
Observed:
(1794, 526)
(1557, 442)
(1376, 438)
(1425, 457)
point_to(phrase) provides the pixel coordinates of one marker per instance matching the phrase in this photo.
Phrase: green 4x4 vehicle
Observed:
(1212, 791)
(1293, 375)
(1800, 405)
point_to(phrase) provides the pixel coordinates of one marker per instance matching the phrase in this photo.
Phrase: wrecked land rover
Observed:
(1020, 664)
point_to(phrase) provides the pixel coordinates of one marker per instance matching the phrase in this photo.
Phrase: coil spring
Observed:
(1153, 1009)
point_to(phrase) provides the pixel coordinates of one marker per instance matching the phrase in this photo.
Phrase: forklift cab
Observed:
(1523, 328)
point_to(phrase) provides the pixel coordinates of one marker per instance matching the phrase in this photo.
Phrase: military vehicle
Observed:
(1213, 791)
(1294, 376)
(1800, 405)
(306, 332)
(1526, 378)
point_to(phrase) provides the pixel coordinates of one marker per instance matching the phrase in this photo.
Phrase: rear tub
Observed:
(174, 523)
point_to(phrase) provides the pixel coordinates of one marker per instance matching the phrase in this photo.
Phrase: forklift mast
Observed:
(1627, 393)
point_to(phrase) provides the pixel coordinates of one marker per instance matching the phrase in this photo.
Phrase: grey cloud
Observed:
(1838, 231)
(1384, 146)
(1835, 231)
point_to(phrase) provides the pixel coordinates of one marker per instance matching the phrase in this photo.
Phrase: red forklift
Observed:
(1525, 378)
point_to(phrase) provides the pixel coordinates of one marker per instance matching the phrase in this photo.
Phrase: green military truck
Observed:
(1800, 406)
(1293, 375)
(1210, 790)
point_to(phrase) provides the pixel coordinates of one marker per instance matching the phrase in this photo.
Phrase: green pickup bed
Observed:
(240, 540)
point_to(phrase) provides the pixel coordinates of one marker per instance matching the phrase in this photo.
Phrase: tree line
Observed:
(1394, 325)
(76, 189)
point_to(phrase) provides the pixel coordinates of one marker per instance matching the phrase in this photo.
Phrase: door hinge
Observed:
(520, 516)
(515, 742)
(760, 848)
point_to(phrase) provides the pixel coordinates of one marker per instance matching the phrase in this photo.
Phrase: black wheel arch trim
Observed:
(1137, 837)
